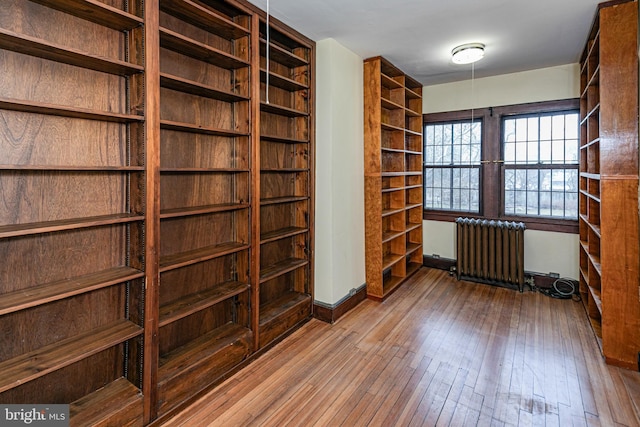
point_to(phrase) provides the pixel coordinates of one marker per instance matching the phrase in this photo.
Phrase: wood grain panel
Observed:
(38, 140)
(31, 19)
(620, 272)
(618, 96)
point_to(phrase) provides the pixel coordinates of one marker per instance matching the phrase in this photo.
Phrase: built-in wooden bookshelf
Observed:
(284, 294)
(608, 197)
(393, 176)
(205, 215)
(157, 220)
(72, 223)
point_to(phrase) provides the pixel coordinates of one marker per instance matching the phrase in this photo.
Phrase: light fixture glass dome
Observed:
(467, 53)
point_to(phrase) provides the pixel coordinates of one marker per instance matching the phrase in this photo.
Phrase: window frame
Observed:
(459, 166)
(492, 163)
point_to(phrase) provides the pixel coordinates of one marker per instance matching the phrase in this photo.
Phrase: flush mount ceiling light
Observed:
(467, 53)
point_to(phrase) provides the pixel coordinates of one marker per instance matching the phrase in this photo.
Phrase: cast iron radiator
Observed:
(490, 252)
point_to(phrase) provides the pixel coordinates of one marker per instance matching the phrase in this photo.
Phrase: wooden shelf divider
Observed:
(194, 88)
(203, 17)
(63, 111)
(42, 49)
(60, 289)
(95, 11)
(35, 364)
(27, 229)
(179, 43)
(199, 301)
(182, 259)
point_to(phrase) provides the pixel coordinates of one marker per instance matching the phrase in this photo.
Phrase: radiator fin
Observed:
(490, 251)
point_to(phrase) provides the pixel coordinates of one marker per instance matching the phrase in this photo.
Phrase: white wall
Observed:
(545, 252)
(544, 84)
(339, 226)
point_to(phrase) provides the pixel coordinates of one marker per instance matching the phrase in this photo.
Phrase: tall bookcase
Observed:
(204, 195)
(156, 228)
(393, 176)
(72, 221)
(609, 263)
(284, 252)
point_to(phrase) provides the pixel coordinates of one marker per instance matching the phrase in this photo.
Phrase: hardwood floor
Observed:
(438, 352)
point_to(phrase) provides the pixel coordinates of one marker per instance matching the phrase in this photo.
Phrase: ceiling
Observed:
(418, 35)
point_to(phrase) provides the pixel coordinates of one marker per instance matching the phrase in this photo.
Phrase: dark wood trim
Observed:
(254, 262)
(152, 203)
(459, 115)
(541, 224)
(546, 224)
(331, 313)
(537, 107)
(491, 195)
(438, 262)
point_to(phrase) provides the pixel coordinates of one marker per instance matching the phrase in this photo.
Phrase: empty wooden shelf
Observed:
(393, 176)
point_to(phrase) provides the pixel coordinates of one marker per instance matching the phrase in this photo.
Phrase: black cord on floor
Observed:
(562, 289)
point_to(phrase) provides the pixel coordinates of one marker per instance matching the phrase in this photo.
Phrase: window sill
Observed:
(542, 224)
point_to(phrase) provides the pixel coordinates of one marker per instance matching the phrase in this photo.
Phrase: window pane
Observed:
(521, 152)
(521, 130)
(429, 133)
(532, 180)
(571, 126)
(545, 128)
(532, 129)
(557, 180)
(509, 130)
(509, 179)
(521, 203)
(545, 203)
(532, 203)
(557, 151)
(545, 180)
(571, 205)
(557, 123)
(437, 155)
(557, 204)
(509, 202)
(509, 152)
(521, 179)
(571, 151)
(545, 152)
(532, 153)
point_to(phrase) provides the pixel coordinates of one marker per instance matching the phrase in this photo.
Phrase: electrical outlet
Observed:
(436, 256)
(554, 275)
(352, 292)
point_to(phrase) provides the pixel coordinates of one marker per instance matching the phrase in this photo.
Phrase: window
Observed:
(452, 166)
(517, 162)
(541, 165)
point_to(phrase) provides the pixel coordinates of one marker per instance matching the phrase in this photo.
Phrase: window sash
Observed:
(454, 196)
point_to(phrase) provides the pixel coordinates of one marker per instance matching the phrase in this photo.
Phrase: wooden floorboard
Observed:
(437, 352)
